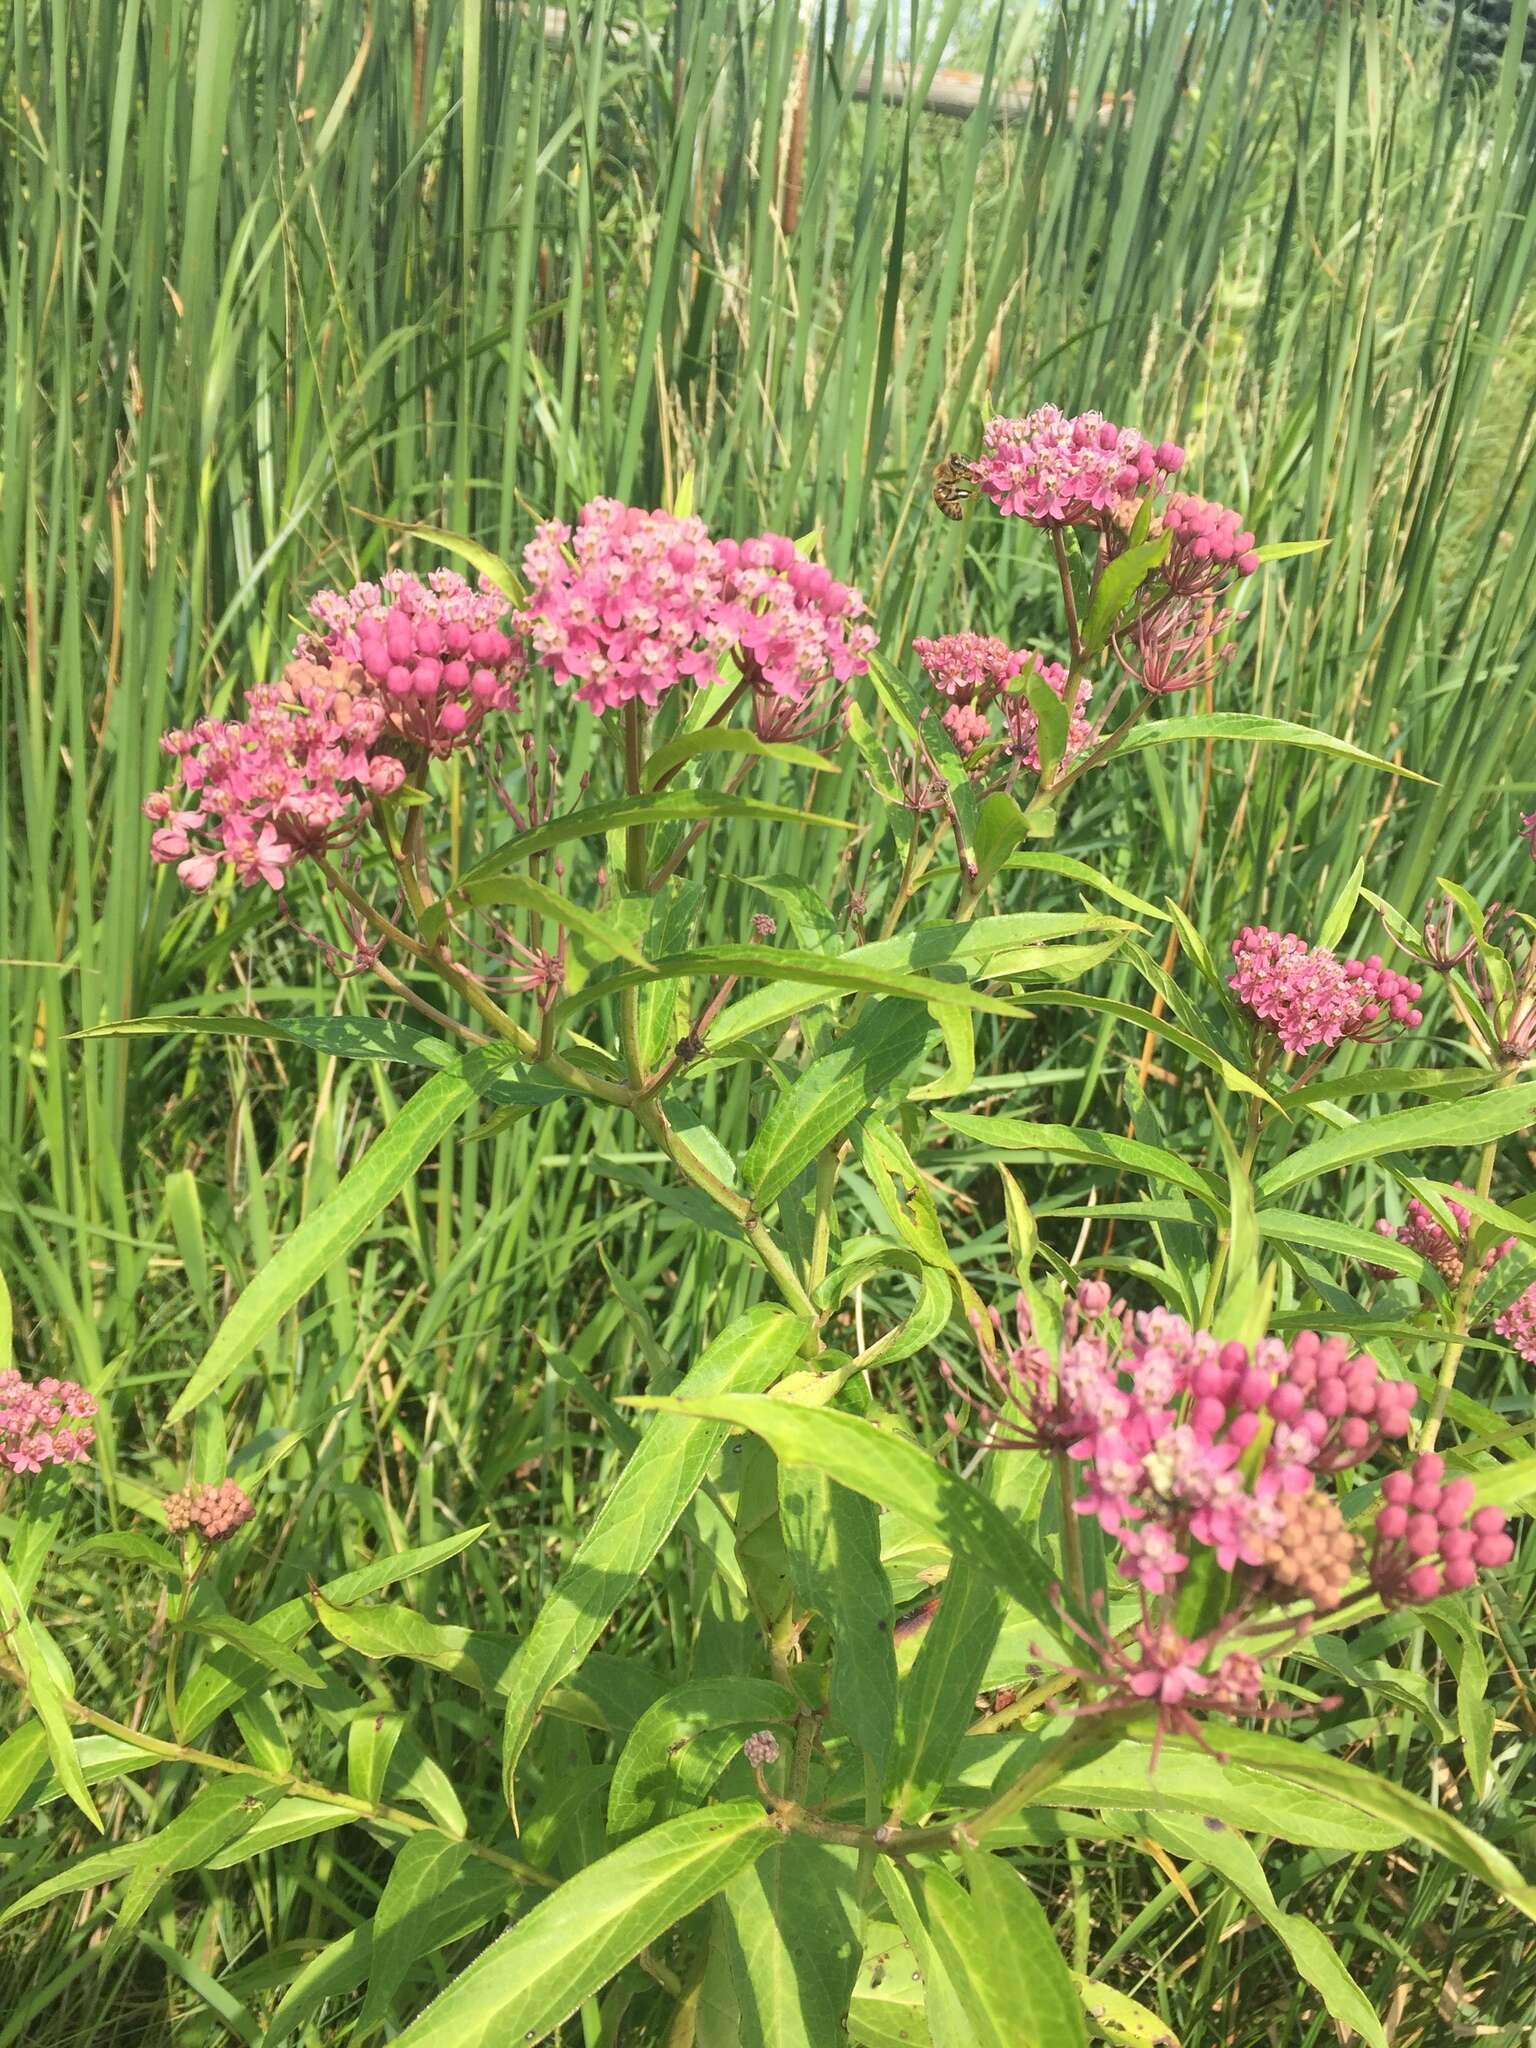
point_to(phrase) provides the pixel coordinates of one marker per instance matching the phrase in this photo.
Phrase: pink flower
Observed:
(43, 1423)
(975, 672)
(633, 603)
(435, 653)
(1528, 831)
(1517, 1324)
(965, 666)
(1056, 470)
(1308, 997)
(294, 777)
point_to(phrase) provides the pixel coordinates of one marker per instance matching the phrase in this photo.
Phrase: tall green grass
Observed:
(277, 277)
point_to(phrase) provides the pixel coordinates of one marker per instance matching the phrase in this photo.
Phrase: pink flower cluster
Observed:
(1422, 1231)
(976, 671)
(215, 1512)
(46, 1422)
(1206, 1438)
(292, 778)
(1517, 1325)
(1183, 1439)
(1309, 997)
(1210, 544)
(434, 651)
(632, 603)
(965, 666)
(1056, 469)
(1429, 1538)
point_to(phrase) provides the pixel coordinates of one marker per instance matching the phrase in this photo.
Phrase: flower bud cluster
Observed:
(1210, 545)
(215, 1512)
(1429, 1538)
(1423, 1232)
(435, 652)
(1308, 997)
(43, 1422)
(1517, 1325)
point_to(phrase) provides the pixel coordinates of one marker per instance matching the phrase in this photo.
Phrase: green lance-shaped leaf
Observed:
(541, 1970)
(1052, 725)
(786, 1926)
(1118, 584)
(278, 1658)
(392, 1629)
(1121, 2021)
(1001, 826)
(893, 1472)
(826, 1096)
(639, 1514)
(1001, 1956)
(229, 1674)
(1311, 1951)
(216, 1815)
(729, 739)
(423, 1867)
(1186, 1780)
(1015, 1137)
(681, 1744)
(674, 913)
(48, 1686)
(358, 1038)
(938, 1694)
(290, 1820)
(833, 1539)
(341, 1219)
(1378, 1799)
(921, 953)
(1473, 1120)
(668, 807)
(827, 975)
(521, 892)
(1245, 725)
(455, 1907)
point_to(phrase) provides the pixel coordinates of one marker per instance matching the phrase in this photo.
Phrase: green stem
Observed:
(1461, 1300)
(651, 1119)
(1224, 1245)
(290, 1784)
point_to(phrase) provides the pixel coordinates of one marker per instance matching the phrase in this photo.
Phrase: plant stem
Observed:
(1461, 1300)
(290, 1784)
(1224, 1244)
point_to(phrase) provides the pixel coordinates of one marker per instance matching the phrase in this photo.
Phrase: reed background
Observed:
(275, 275)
